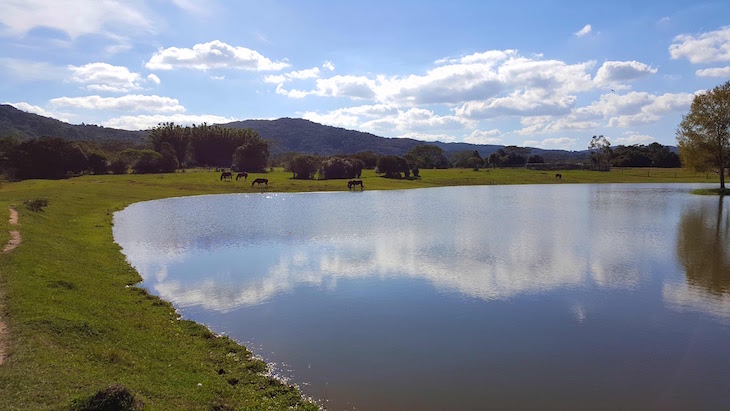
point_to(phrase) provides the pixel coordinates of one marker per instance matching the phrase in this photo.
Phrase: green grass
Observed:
(77, 325)
(712, 191)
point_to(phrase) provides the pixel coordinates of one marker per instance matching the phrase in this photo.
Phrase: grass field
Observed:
(77, 325)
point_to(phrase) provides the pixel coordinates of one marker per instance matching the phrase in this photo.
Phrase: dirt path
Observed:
(10, 246)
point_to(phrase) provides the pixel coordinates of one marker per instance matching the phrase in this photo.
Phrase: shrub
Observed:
(36, 204)
(148, 161)
(119, 166)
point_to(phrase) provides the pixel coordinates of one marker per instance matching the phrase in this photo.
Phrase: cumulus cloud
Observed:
(153, 78)
(387, 119)
(562, 143)
(328, 65)
(108, 78)
(584, 31)
(445, 138)
(73, 17)
(704, 48)
(477, 77)
(131, 103)
(23, 106)
(144, 122)
(618, 72)
(714, 72)
(212, 55)
(653, 111)
(483, 137)
(631, 138)
(292, 75)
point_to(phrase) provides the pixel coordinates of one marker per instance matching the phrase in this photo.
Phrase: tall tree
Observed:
(703, 135)
(600, 149)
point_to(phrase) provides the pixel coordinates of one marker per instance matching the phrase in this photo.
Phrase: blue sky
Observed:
(541, 74)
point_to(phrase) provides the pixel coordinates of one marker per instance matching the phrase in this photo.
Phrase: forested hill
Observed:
(14, 122)
(296, 134)
(284, 134)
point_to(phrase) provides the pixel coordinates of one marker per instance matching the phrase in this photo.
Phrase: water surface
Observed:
(550, 296)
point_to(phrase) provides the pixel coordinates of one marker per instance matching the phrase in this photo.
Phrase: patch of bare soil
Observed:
(10, 246)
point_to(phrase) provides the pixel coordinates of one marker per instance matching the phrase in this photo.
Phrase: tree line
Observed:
(167, 148)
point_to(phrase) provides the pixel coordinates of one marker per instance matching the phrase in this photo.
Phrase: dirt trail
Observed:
(10, 246)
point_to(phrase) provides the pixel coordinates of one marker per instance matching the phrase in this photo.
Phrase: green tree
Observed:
(703, 135)
(98, 163)
(303, 167)
(176, 136)
(252, 156)
(427, 156)
(169, 162)
(600, 149)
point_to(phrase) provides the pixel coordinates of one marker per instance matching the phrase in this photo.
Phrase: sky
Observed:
(538, 74)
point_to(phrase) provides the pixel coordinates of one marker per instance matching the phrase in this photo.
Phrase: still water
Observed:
(464, 298)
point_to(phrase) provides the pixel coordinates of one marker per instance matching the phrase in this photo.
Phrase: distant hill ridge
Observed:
(285, 135)
(24, 125)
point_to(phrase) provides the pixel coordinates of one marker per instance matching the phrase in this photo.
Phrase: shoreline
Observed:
(97, 328)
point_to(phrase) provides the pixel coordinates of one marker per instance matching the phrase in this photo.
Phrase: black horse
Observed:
(260, 181)
(558, 176)
(227, 175)
(244, 175)
(353, 183)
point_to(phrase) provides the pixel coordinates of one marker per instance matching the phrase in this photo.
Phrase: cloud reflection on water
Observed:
(225, 252)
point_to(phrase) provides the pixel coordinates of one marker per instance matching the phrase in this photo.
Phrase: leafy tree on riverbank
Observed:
(703, 135)
(601, 153)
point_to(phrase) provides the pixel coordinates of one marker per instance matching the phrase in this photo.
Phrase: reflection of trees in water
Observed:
(703, 247)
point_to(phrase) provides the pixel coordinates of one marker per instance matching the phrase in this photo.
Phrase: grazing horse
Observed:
(558, 176)
(353, 183)
(244, 175)
(259, 181)
(227, 175)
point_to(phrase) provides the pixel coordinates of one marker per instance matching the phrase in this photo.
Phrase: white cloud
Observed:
(39, 110)
(714, 72)
(664, 20)
(144, 122)
(632, 138)
(217, 77)
(483, 137)
(131, 103)
(653, 111)
(356, 87)
(531, 102)
(618, 72)
(328, 65)
(212, 55)
(705, 48)
(446, 138)
(292, 75)
(478, 77)
(384, 119)
(73, 17)
(106, 77)
(585, 30)
(153, 78)
(562, 143)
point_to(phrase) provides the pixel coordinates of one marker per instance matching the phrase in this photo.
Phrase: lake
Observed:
(464, 298)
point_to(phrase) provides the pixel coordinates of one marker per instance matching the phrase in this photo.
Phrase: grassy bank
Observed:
(76, 327)
(712, 192)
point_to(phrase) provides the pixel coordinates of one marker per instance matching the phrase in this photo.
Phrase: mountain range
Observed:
(285, 135)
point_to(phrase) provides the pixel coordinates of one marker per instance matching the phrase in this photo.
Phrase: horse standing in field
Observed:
(260, 181)
(244, 175)
(227, 175)
(353, 183)
(558, 176)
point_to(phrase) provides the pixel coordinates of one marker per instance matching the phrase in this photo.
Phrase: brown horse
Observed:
(227, 175)
(558, 176)
(353, 183)
(244, 175)
(260, 181)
